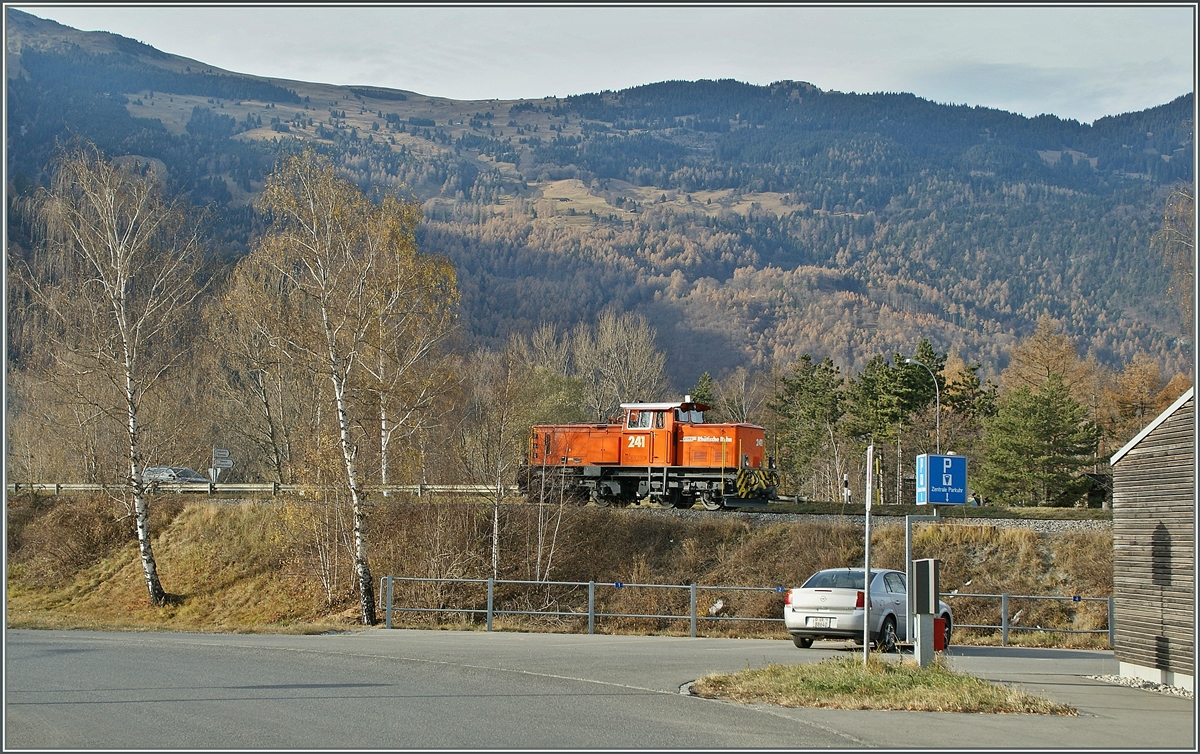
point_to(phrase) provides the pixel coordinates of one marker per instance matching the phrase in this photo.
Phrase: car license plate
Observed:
(820, 622)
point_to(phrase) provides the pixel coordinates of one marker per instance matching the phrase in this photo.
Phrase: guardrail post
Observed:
(388, 609)
(1004, 620)
(693, 608)
(1112, 625)
(591, 607)
(491, 593)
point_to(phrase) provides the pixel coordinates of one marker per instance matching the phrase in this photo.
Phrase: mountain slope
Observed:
(751, 223)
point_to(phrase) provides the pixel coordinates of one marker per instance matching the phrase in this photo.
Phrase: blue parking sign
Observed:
(941, 479)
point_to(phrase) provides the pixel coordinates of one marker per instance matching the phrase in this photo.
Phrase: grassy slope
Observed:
(253, 567)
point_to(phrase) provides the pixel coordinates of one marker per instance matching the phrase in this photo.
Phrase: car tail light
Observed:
(787, 597)
(858, 599)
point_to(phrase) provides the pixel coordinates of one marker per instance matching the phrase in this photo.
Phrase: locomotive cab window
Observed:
(639, 419)
(660, 419)
(693, 417)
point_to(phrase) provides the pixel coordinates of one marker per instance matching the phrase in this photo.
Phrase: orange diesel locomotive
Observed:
(663, 451)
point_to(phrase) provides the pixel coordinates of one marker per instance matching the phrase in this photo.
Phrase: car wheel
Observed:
(946, 635)
(802, 642)
(887, 640)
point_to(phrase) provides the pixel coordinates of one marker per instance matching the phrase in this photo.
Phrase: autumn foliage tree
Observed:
(351, 301)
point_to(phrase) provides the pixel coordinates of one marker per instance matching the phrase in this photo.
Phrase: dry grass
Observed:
(845, 683)
(219, 563)
(257, 567)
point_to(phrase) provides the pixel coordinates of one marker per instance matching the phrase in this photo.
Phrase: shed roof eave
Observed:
(1152, 426)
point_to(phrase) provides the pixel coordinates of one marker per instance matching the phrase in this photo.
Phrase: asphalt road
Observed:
(441, 689)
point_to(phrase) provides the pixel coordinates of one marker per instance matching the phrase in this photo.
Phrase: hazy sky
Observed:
(1075, 62)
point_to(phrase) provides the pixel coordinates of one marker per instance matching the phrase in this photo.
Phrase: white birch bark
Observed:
(117, 276)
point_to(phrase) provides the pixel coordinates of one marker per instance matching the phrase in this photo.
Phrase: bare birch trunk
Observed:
(362, 567)
(141, 510)
(496, 519)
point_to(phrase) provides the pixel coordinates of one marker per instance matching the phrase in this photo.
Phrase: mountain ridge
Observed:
(753, 223)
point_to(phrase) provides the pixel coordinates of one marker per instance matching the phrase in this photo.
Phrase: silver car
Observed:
(830, 606)
(173, 475)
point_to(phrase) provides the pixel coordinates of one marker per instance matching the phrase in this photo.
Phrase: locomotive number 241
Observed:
(637, 441)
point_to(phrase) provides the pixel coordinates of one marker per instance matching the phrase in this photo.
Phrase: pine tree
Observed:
(1037, 443)
(703, 391)
(810, 405)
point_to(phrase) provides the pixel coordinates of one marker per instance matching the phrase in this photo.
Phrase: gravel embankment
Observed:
(758, 519)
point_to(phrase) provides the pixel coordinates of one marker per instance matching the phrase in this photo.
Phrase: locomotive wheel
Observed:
(683, 502)
(601, 501)
(712, 502)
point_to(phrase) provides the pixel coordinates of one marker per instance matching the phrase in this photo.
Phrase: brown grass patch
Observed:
(846, 683)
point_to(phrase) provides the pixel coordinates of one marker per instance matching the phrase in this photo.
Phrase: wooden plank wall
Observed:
(1154, 518)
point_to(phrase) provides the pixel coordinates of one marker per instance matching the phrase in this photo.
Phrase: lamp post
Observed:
(937, 394)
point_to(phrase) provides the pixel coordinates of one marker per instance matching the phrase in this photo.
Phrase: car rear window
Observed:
(835, 580)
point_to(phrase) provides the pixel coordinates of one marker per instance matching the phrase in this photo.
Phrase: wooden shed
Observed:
(1154, 554)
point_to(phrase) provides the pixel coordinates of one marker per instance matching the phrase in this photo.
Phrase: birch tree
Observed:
(329, 260)
(116, 283)
(416, 309)
(495, 426)
(268, 402)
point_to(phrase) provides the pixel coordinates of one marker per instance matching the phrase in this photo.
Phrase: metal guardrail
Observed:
(386, 584)
(387, 606)
(254, 489)
(1007, 625)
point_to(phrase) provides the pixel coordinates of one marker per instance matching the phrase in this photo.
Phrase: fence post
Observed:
(591, 607)
(1112, 625)
(491, 591)
(388, 609)
(1004, 620)
(693, 609)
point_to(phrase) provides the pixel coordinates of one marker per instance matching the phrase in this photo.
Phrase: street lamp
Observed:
(937, 394)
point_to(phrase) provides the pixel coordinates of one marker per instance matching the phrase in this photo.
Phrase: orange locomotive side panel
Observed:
(716, 445)
(575, 445)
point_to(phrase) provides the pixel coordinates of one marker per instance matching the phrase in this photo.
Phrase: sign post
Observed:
(220, 462)
(867, 556)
